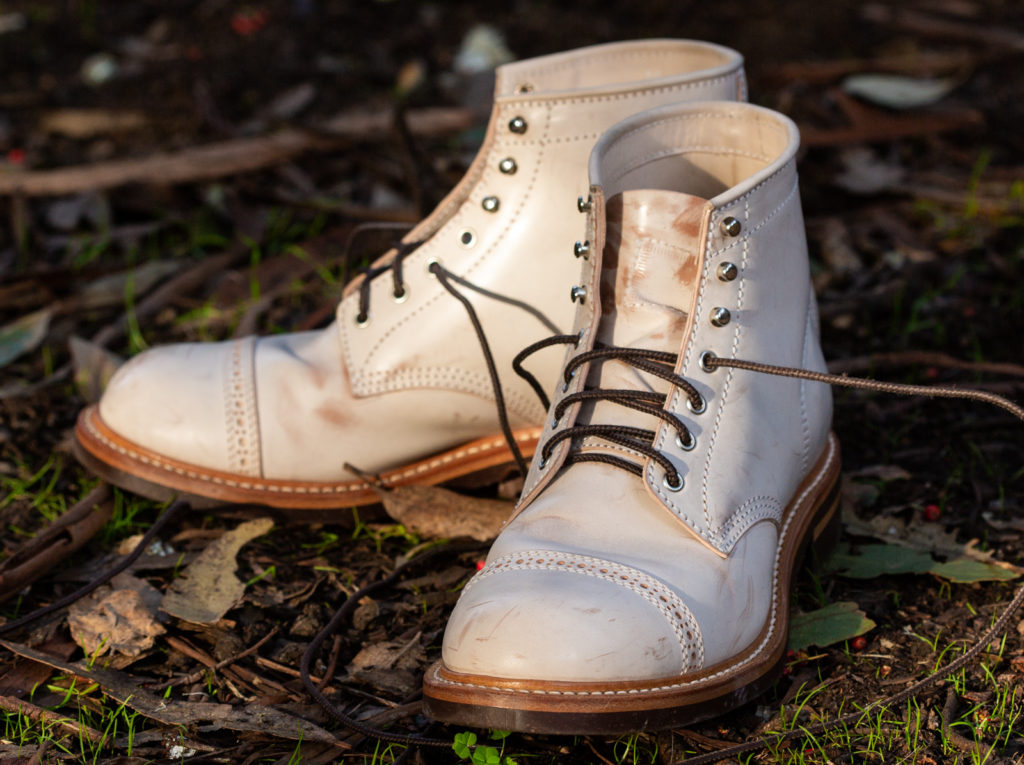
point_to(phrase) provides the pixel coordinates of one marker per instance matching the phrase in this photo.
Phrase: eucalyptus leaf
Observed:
(896, 91)
(23, 334)
(834, 623)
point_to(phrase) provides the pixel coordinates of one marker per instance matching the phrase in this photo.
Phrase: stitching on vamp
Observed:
(241, 421)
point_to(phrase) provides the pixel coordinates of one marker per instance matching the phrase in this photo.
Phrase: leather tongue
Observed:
(649, 268)
(649, 274)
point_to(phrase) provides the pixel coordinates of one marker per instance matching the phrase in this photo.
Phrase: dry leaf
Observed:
(93, 367)
(113, 621)
(208, 588)
(897, 91)
(23, 335)
(433, 512)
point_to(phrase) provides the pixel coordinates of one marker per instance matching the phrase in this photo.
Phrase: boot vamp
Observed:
(595, 581)
(280, 407)
(312, 424)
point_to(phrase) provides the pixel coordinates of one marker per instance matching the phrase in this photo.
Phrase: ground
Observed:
(915, 216)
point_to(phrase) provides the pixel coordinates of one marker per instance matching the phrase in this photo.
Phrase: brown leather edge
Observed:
(128, 464)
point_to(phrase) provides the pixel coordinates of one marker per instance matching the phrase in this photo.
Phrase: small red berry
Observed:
(16, 156)
(931, 373)
(480, 564)
(859, 643)
(932, 513)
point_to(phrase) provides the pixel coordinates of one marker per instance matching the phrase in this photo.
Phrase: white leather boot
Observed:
(398, 385)
(644, 580)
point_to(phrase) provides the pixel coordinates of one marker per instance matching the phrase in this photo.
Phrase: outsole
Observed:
(144, 472)
(547, 707)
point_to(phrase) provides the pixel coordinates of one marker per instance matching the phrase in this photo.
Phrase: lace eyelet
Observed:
(467, 238)
(554, 423)
(697, 408)
(565, 385)
(401, 297)
(362, 320)
(671, 486)
(542, 463)
(687, 446)
(430, 264)
(705, 357)
(579, 337)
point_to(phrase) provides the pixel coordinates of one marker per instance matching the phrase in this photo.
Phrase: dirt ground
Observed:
(913, 193)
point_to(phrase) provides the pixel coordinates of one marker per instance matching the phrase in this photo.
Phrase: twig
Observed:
(195, 677)
(222, 158)
(961, 742)
(38, 714)
(332, 663)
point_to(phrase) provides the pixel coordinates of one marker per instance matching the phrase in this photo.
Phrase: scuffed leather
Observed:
(713, 544)
(412, 381)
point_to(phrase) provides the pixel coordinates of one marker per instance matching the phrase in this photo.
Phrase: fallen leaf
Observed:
(834, 623)
(23, 335)
(113, 621)
(872, 561)
(93, 367)
(433, 512)
(388, 654)
(897, 91)
(864, 172)
(208, 588)
(882, 472)
(126, 690)
(112, 290)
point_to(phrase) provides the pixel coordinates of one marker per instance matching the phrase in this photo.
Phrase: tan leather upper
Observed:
(604, 576)
(412, 381)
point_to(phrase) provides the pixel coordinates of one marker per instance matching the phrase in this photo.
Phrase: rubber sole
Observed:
(538, 706)
(144, 472)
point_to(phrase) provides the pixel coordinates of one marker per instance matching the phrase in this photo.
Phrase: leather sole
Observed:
(538, 706)
(139, 470)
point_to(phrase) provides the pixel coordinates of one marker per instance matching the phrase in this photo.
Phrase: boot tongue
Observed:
(648, 273)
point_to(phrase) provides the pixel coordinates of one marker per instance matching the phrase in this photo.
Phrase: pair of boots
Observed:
(643, 579)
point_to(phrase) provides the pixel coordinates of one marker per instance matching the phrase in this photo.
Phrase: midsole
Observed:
(122, 455)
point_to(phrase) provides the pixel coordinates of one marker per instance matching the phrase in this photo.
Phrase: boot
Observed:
(403, 384)
(643, 581)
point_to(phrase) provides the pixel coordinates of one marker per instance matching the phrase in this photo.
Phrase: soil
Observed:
(915, 220)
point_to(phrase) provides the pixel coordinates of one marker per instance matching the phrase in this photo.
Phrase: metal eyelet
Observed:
(578, 294)
(362, 320)
(430, 263)
(687, 446)
(517, 125)
(585, 205)
(731, 226)
(705, 357)
(467, 237)
(727, 271)
(697, 408)
(671, 486)
(490, 203)
(541, 463)
(581, 249)
(525, 87)
(565, 385)
(401, 297)
(719, 316)
(554, 423)
(508, 166)
(579, 337)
